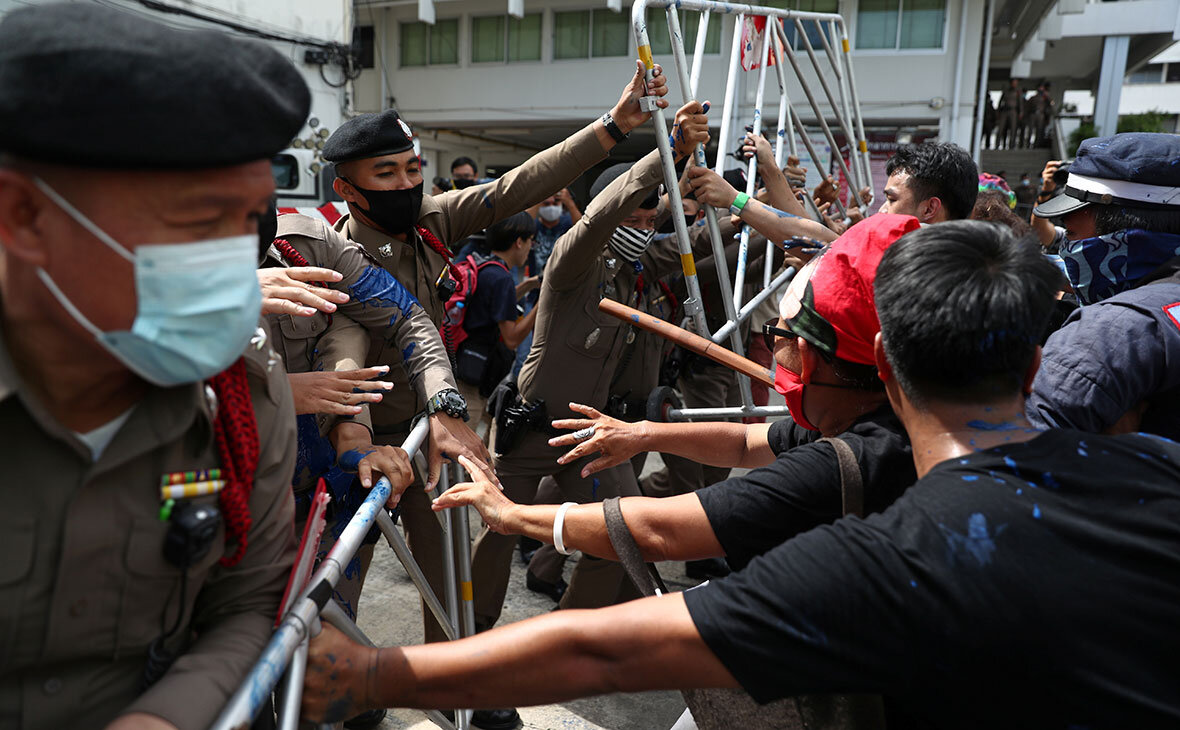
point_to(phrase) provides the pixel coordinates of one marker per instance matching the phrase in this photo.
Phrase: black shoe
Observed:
(506, 719)
(528, 548)
(536, 585)
(365, 720)
(706, 569)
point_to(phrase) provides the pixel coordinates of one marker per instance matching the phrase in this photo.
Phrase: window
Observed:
(900, 24)
(1172, 75)
(1152, 73)
(661, 43)
(810, 27)
(422, 43)
(503, 38)
(586, 33)
(362, 45)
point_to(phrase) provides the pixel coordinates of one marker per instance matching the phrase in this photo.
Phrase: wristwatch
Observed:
(613, 129)
(448, 401)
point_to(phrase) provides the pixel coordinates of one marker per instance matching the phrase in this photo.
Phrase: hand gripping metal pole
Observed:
(295, 628)
(693, 307)
(715, 239)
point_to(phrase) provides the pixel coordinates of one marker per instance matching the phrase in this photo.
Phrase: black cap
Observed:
(1135, 169)
(369, 135)
(89, 86)
(610, 174)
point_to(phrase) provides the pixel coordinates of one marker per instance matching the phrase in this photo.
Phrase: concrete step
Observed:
(1014, 162)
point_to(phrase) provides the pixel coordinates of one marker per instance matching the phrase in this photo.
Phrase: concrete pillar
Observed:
(1110, 84)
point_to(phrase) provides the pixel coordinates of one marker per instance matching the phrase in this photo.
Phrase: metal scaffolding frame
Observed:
(281, 666)
(843, 106)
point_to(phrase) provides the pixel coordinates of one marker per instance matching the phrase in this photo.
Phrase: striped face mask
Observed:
(629, 243)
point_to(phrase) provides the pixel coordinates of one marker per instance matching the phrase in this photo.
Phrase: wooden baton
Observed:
(689, 341)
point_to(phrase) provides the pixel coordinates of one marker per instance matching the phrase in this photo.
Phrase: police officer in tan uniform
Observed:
(146, 422)
(380, 177)
(575, 352)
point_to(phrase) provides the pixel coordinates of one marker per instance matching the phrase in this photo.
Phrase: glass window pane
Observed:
(444, 41)
(524, 38)
(1173, 73)
(413, 44)
(657, 33)
(921, 23)
(689, 22)
(487, 39)
(571, 34)
(876, 24)
(610, 31)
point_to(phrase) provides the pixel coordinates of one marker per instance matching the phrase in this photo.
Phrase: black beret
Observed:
(89, 86)
(612, 173)
(369, 135)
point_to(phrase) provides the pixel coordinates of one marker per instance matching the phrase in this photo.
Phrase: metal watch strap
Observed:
(612, 128)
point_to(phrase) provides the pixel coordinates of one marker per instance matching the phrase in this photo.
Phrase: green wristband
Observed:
(739, 203)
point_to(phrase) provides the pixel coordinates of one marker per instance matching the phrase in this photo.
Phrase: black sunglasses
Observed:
(770, 331)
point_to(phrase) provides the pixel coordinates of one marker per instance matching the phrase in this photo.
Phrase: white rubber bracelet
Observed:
(558, 526)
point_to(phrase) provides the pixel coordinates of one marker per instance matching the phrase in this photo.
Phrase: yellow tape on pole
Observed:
(864, 146)
(645, 56)
(465, 590)
(687, 263)
(845, 42)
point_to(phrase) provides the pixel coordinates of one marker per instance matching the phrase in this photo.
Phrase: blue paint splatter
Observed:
(408, 351)
(1010, 463)
(913, 584)
(635, 317)
(377, 288)
(970, 477)
(1049, 481)
(1036, 512)
(351, 460)
(977, 544)
(594, 489)
(1019, 492)
(980, 425)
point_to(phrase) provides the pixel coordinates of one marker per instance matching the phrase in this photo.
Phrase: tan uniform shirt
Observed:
(576, 348)
(453, 216)
(84, 585)
(393, 316)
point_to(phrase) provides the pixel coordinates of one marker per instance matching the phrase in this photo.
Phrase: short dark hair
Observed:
(963, 306)
(1111, 218)
(992, 206)
(461, 161)
(502, 234)
(939, 170)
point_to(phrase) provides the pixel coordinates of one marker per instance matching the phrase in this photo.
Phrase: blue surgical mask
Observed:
(1103, 266)
(198, 304)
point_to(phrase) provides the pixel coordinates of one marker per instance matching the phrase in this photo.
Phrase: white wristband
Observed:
(558, 525)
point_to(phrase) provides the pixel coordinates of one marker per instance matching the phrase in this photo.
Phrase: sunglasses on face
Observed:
(770, 331)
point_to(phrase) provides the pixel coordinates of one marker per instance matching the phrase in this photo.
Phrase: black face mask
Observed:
(394, 211)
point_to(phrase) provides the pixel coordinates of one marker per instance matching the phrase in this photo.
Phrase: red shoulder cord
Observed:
(438, 247)
(235, 431)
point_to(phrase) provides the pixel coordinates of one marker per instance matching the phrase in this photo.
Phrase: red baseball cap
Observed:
(836, 311)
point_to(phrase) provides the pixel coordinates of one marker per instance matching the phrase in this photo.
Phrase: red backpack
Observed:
(466, 276)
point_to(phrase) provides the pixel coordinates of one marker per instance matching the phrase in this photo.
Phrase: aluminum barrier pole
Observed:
(287, 700)
(739, 281)
(463, 564)
(735, 62)
(853, 177)
(778, 282)
(715, 239)
(786, 127)
(698, 55)
(784, 111)
(450, 594)
(841, 86)
(862, 144)
(819, 116)
(295, 628)
(693, 307)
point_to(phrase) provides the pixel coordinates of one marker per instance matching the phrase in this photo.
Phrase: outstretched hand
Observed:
(483, 492)
(292, 291)
(616, 440)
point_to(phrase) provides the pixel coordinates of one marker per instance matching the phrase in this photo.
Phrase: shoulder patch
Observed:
(1173, 312)
(295, 224)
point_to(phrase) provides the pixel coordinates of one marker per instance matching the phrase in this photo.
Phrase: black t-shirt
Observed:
(755, 512)
(492, 302)
(1032, 585)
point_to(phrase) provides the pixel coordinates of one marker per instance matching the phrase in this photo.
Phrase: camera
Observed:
(1061, 174)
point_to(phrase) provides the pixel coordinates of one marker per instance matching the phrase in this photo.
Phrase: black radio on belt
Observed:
(515, 420)
(445, 289)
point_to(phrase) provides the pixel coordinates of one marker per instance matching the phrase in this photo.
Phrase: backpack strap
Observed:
(644, 575)
(852, 495)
